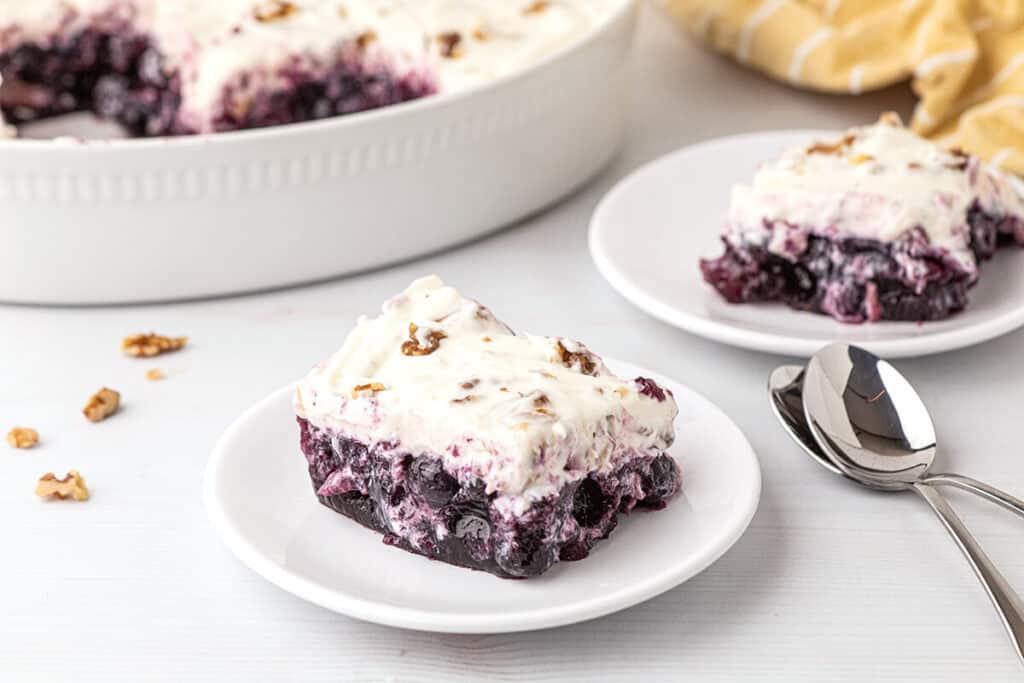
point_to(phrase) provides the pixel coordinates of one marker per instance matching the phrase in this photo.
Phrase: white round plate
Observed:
(649, 232)
(258, 497)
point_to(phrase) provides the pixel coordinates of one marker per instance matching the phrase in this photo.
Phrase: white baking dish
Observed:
(144, 220)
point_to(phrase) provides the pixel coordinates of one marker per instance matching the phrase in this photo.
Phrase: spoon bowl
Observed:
(867, 418)
(785, 389)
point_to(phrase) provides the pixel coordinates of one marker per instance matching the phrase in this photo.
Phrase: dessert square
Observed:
(462, 441)
(163, 67)
(880, 224)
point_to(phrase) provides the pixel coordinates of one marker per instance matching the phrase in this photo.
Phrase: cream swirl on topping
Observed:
(877, 182)
(438, 373)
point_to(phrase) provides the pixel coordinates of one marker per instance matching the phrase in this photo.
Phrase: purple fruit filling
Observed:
(856, 280)
(421, 508)
(119, 75)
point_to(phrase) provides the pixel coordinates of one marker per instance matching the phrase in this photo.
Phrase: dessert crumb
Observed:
(71, 486)
(155, 374)
(102, 405)
(22, 437)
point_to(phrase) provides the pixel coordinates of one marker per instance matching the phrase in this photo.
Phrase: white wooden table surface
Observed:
(830, 582)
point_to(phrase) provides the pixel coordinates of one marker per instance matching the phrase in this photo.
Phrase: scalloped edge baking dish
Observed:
(127, 221)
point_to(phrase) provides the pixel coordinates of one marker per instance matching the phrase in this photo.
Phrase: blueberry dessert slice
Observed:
(880, 224)
(462, 441)
(162, 67)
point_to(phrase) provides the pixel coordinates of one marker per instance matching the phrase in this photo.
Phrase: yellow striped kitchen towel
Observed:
(965, 58)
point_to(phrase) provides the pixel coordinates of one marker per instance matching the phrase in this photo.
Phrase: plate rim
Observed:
(425, 620)
(726, 333)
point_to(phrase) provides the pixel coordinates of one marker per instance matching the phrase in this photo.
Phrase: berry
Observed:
(429, 481)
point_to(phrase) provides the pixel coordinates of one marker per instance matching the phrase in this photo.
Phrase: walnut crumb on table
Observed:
(102, 405)
(152, 344)
(71, 486)
(155, 374)
(22, 437)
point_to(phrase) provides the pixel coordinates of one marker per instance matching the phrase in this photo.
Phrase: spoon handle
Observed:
(1007, 602)
(989, 493)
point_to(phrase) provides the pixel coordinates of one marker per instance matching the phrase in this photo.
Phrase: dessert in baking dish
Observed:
(877, 225)
(460, 440)
(164, 67)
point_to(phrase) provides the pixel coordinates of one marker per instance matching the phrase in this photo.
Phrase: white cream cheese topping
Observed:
(438, 373)
(877, 182)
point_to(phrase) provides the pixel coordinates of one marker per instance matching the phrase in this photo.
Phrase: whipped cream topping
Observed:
(877, 182)
(438, 373)
(253, 44)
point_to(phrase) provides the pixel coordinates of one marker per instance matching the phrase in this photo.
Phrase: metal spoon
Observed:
(871, 423)
(785, 388)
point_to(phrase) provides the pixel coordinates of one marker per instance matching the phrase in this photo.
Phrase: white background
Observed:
(830, 582)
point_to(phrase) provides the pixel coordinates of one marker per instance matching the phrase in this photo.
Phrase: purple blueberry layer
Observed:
(856, 280)
(348, 86)
(420, 507)
(119, 75)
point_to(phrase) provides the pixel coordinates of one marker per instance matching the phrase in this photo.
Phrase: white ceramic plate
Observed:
(259, 499)
(649, 232)
(170, 218)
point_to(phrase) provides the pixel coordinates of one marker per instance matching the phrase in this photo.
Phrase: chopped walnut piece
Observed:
(541, 400)
(71, 486)
(913, 165)
(451, 44)
(481, 35)
(422, 344)
(102, 405)
(470, 384)
(155, 374)
(372, 387)
(831, 147)
(891, 118)
(152, 344)
(365, 38)
(22, 437)
(487, 340)
(571, 359)
(962, 158)
(537, 7)
(859, 159)
(273, 10)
